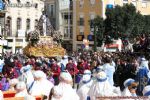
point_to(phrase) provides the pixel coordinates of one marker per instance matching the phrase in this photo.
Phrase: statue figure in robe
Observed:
(45, 27)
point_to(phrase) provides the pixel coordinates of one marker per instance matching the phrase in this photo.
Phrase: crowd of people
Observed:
(81, 76)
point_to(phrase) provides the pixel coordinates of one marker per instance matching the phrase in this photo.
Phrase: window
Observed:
(18, 23)
(81, 3)
(134, 2)
(10, 40)
(81, 21)
(125, 2)
(52, 10)
(66, 35)
(144, 4)
(18, 1)
(81, 30)
(28, 24)
(92, 2)
(19, 40)
(8, 26)
(36, 5)
(36, 23)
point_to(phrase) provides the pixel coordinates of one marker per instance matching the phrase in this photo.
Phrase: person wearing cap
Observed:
(22, 91)
(85, 85)
(130, 87)
(26, 75)
(64, 90)
(146, 91)
(40, 85)
(100, 87)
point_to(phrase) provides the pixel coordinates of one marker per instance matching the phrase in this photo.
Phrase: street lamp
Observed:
(95, 38)
(95, 34)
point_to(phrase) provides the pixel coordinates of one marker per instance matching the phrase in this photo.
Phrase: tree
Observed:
(98, 23)
(146, 29)
(139, 25)
(123, 21)
(129, 18)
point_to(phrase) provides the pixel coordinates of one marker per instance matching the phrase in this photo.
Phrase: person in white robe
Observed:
(22, 91)
(26, 75)
(109, 69)
(40, 86)
(1, 95)
(85, 85)
(144, 63)
(13, 83)
(64, 90)
(146, 90)
(1, 64)
(130, 88)
(100, 87)
(64, 61)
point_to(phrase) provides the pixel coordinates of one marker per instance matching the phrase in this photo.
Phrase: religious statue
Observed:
(44, 40)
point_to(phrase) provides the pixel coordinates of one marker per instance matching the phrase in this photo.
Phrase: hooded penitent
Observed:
(101, 87)
(130, 88)
(40, 85)
(64, 90)
(85, 85)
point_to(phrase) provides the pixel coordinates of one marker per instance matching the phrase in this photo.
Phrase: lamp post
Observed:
(95, 38)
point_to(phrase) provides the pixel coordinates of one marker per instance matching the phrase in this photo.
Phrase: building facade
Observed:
(84, 11)
(60, 13)
(2, 24)
(22, 17)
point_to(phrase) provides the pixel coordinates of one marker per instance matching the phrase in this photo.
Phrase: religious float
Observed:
(44, 41)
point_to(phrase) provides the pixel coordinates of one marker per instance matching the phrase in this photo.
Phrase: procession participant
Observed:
(86, 78)
(26, 75)
(83, 66)
(13, 83)
(84, 85)
(64, 61)
(17, 67)
(142, 78)
(64, 90)
(22, 91)
(130, 88)
(1, 64)
(100, 87)
(1, 95)
(8, 69)
(4, 84)
(109, 70)
(37, 65)
(72, 68)
(144, 62)
(146, 91)
(40, 85)
(55, 69)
